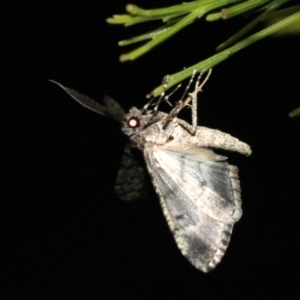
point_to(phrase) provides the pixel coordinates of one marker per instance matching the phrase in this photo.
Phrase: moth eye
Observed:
(133, 122)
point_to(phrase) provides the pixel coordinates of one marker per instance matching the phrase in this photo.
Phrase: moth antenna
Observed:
(83, 99)
(111, 109)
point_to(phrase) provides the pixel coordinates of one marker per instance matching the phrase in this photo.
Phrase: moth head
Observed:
(133, 121)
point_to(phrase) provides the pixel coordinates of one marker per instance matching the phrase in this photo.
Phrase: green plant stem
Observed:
(295, 113)
(248, 27)
(282, 13)
(145, 36)
(216, 59)
(198, 13)
(166, 11)
(236, 10)
(160, 38)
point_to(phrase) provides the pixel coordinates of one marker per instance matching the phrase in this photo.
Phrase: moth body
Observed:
(199, 191)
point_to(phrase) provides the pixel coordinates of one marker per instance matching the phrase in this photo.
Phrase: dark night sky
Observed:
(66, 235)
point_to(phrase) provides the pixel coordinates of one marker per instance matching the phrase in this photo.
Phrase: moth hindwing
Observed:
(198, 190)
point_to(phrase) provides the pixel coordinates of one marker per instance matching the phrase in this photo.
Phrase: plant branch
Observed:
(216, 59)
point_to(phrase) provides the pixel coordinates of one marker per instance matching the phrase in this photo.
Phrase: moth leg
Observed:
(194, 106)
(195, 99)
(165, 82)
(162, 96)
(180, 104)
(166, 98)
(192, 97)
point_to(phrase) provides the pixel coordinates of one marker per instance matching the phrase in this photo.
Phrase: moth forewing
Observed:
(207, 183)
(201, 239)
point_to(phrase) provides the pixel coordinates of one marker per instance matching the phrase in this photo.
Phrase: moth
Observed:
(199, 191)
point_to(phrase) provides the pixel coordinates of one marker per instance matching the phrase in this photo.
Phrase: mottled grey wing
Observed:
(201, 237)
(206, 178)
(133, 180)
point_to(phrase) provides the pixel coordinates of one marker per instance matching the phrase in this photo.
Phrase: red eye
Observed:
(133, 122)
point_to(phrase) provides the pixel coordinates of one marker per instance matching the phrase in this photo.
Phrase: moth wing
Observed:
(132, 181)
(201, 238)
(206, 178)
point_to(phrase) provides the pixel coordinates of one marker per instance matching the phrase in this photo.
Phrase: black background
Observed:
(66, 235)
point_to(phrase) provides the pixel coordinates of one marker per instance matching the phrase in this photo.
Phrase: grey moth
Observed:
(199, 191)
